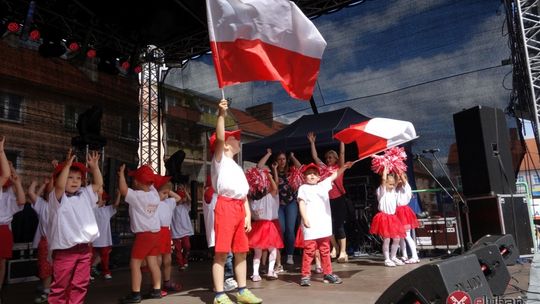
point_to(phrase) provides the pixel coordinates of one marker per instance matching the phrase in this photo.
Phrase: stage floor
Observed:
(364, 279)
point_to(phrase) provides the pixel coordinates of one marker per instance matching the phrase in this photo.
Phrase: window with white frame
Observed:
(10, 106)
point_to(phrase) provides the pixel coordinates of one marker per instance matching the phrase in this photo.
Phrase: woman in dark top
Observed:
(288, 208)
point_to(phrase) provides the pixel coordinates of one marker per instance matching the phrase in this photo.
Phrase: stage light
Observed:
(137, 69)
(72, 45)
(35, 35)
(13, 27)
(91, 53)
(125, 65)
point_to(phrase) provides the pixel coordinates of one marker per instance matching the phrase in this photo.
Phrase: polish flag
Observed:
(377, 135)
(264, 40)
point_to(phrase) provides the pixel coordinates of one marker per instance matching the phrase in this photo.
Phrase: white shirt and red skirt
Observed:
(265, 230)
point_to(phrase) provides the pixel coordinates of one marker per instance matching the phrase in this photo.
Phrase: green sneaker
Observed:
(223, 299)
(247, 297)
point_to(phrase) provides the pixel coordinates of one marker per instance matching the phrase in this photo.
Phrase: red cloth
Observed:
(145, 244)
(229, 217)
(71, 274)
(144, 174)
(265, 234)
(299, 240)
(407, 217)
(6, 239)
(44, 266)
(104, 254)
(323, 244)
(182, 246)
(165, 240)
(387, 226)
(208, 194)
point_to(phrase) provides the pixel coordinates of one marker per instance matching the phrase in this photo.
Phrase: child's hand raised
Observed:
(121, 169)
(223, 106)
(92, 159)
(311, 137)
(268, 151)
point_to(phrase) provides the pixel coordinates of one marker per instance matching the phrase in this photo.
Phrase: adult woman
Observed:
(338, 203)
(288, 208)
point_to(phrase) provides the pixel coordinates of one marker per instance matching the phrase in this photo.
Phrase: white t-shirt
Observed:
(208, 214)
(404, 195)
(42, 210)
(165, 211)
(103, 219)
(8, 206)
(72, 220)
(317, 209)
(228, 178)
(387, 200)
(143, 206)
(181, 223)
(267, 208)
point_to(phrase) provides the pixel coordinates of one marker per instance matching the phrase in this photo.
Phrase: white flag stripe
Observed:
(278, 22)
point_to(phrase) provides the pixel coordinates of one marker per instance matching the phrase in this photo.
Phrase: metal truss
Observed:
(151, 149)
(523, 17)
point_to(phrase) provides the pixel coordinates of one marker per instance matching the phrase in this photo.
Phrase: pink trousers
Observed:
(71, 274)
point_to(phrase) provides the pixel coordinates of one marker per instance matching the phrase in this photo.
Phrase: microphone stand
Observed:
(448, 253)
(456, 202)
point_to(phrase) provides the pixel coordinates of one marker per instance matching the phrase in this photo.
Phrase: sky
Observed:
(419, 61)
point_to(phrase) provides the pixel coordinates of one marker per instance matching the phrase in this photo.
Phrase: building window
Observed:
(536, 179)
(521, 178)
(71, 115)
(130, 128)
(13, 157)
(11, 106)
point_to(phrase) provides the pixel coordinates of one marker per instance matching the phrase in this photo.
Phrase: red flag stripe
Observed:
(261, 61)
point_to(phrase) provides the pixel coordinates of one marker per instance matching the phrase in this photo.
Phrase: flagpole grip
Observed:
(222, 94)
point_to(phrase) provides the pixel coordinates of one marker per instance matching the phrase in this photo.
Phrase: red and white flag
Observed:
(264, 40)
(377, 135)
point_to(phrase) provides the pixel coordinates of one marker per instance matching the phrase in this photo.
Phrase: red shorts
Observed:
(6, 239)
(44, 267)
(165, 240)
(229, 216)
(145, 244)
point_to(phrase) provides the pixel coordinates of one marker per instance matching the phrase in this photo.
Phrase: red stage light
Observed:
(74, 46)
(137, 69)
(35, 35)
(125, 65)
(13, 27)
(91, 53)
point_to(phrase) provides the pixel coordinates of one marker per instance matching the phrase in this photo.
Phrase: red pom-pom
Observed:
(295, 178)
(393, 160)
(325, 171)
(258, 181)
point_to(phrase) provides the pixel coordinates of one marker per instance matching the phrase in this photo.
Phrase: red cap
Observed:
(159, 180)
(311, 166)
(77, 166)
(235, 133)
(144, 174)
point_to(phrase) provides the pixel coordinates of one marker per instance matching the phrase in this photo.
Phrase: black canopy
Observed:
(293, 138)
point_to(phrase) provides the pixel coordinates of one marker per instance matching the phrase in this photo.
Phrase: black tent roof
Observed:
(293, 138)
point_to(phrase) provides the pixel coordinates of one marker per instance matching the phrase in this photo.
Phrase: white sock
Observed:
(394, 248)
(256, 261)
(403, 248)
(386, 248)
(271, 259)
(411, 244)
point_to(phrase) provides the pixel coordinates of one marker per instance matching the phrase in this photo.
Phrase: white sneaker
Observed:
(397, 261)
(107, 276)
(290, 260)
(230, 284)
(389, 263)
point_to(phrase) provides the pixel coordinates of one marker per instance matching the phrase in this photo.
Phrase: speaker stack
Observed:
(480, 273)
(488, 178)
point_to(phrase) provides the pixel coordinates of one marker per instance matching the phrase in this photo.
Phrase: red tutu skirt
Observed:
(265, 234)
(387, 226)
(407, 217)
(299, 240)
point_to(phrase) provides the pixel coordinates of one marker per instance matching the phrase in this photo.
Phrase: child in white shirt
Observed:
(103, 244)
(314, 206)
(182, 228)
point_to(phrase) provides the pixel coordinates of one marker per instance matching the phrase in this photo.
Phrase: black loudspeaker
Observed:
(435, 282)
(493, 267)
(483, 146)
(507, 247)
(501, 214)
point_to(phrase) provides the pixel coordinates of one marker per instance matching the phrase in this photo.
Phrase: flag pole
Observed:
(222, 94)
